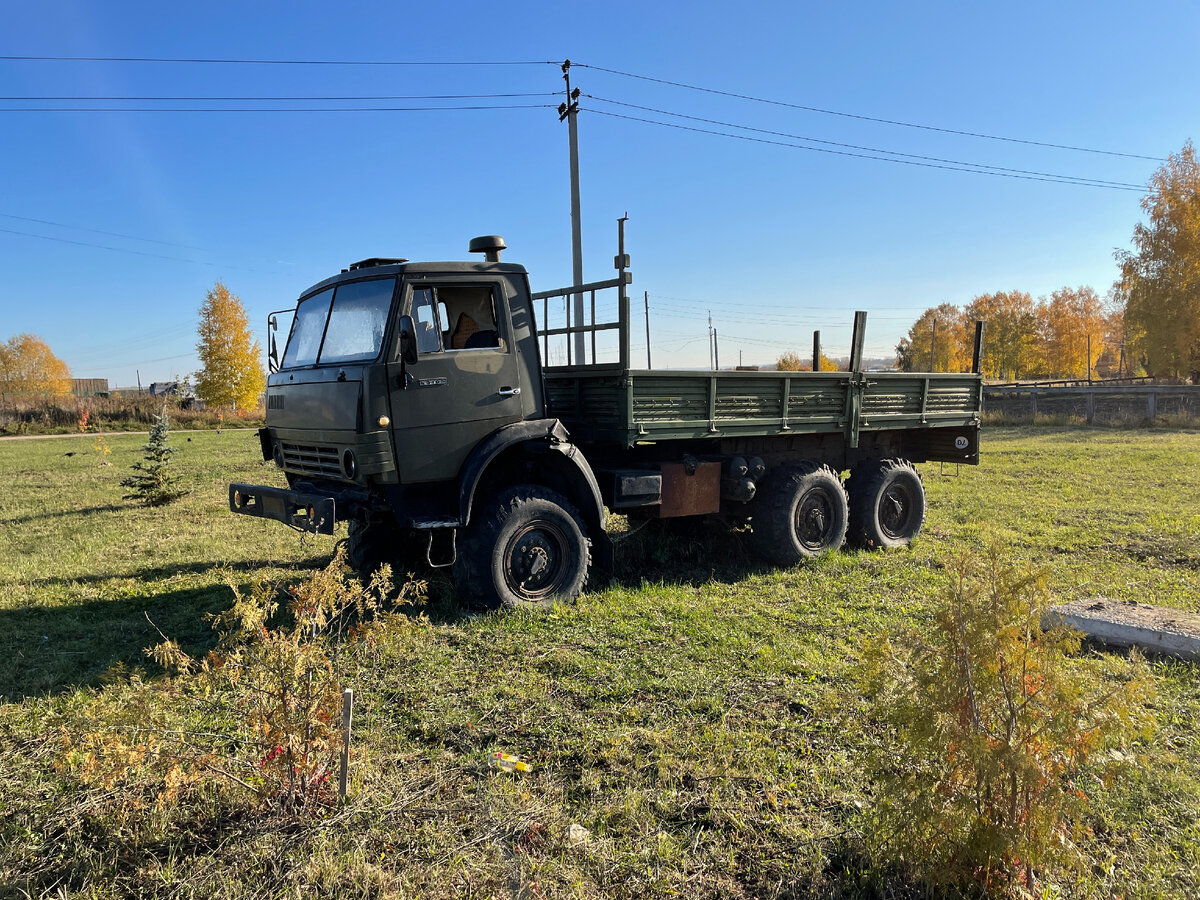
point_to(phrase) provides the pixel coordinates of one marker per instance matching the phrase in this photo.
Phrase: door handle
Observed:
(509, 392)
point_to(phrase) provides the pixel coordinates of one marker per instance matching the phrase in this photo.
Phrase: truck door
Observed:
(466, 382)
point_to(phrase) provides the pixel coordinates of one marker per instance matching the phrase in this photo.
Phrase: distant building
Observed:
(89, 387)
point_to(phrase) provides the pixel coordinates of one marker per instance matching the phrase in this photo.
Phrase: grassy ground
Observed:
(697, 715)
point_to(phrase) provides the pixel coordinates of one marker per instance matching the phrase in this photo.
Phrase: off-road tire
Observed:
(526, 546)
(371, 544)
(799, 513)
(887, 504)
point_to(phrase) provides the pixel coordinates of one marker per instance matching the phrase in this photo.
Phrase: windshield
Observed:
(339, 327)
(307, 328)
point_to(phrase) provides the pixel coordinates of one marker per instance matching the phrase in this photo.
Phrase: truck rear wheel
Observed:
(799, 513)
(526, 546)
(887, 503)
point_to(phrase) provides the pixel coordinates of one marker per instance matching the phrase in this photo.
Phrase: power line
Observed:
(781, 306)
(905, 162)
(611, 71)
(276, 62)
(834, 112)
(289, 98)
(129, 237)
(801, 137)
(46, 237)
(264, 109)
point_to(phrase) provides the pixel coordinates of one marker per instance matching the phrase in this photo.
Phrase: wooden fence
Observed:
(1096, 402)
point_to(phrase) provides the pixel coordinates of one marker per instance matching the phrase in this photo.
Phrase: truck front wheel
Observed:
(525, 546)
(887, 503)
(370, 544)
(799, 513)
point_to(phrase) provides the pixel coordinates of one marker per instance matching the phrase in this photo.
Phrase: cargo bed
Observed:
(628, 407)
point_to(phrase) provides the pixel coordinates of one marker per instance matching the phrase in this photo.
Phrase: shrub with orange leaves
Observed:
(260, 714)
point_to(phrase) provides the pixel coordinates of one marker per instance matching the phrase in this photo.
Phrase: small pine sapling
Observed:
(153, 482)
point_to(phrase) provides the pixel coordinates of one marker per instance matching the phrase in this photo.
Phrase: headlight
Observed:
(349, 464)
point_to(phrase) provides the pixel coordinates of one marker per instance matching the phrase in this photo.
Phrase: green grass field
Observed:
(697, 714)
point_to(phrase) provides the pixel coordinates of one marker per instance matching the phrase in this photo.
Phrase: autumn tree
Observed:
(232, 373)
(1113, 363)
(1161, 275)
(28, 367)
(793, 362)
(1010, 346)
(937, 342)
(1073, 323)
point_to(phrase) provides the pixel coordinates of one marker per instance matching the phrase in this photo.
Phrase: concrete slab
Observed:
(1155, 629)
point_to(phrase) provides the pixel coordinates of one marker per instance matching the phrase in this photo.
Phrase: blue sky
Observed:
(774, 240)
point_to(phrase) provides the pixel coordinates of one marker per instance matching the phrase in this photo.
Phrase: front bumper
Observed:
(306, 512)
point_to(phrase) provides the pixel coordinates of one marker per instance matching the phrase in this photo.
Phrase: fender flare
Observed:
(550, 431)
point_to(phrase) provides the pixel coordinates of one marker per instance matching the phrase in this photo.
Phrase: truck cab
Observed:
(403, 389)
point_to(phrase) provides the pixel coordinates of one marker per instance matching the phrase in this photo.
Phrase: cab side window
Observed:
(424, 314)
(455, 317)
(470, 321)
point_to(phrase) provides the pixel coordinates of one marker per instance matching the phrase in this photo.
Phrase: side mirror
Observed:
(408, 340)
(273, 355)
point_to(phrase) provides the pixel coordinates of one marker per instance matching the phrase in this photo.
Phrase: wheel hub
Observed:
(812, 521)
(894, 509)
(535, 559)
(535, 562)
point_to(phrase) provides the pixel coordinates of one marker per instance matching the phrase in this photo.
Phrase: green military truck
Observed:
(421, 403)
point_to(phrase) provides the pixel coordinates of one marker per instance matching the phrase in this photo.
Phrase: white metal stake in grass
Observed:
(347, 715)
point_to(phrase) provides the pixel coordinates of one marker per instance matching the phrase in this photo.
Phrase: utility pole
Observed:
(646, 300)
(570, 112)
(711, 364)
(932, 343)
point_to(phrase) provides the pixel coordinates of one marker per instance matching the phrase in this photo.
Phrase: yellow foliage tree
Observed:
(1113, 363)
(1072, 320)
(793, 362)
(1161, 276)
(1010, 337)
(937, 342)
(28, 367)
(232, 373)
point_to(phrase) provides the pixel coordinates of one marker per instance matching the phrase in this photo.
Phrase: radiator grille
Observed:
(308, 459)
